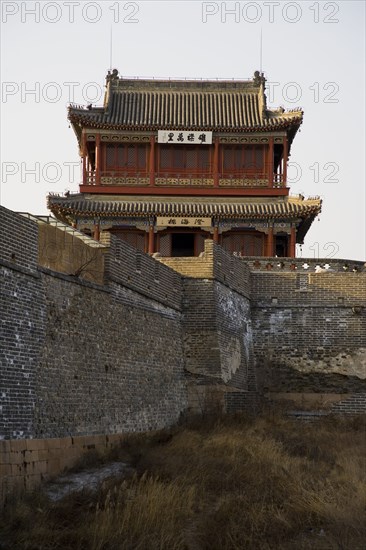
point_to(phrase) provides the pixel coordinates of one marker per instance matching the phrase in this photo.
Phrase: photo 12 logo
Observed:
(327, 250)
(93, 92)
(269, 12)
(294, 92)
(50, 172)
(51, 92)
(326, 172)
(71, 12)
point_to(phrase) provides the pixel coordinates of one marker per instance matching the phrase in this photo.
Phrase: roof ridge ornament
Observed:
(112, 75)
(259, 78)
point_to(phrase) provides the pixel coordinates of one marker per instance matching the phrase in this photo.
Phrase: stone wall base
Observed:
(26, 463)
(328, 403)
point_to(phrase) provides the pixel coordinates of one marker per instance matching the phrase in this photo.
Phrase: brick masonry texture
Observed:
(231, 271)
(137, 341)
(356, 403)
(18, 240)
(22, 339)
(104, 364)
(22, 314)
(234, 337)
(80, 358)
(143, 274)
(214, 263)
(63, 252)
(309, 331)
(24, 463)
(217, 335)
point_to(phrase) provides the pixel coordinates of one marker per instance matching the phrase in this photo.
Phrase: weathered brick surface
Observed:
(18, 240)
(309, 289)
(248, 401)
(66, 253)
(21, 342)
(201, 267)
(108, 364)
(234, 337)
(200, 341)
(22, 311)
(231, 271)
(81, 358)
(214, 263)
(216, 317)
(301, 265)
(133, 352)
(141, 273)
(310, 331)
(354, 404)
(217, 332)
(25, 463)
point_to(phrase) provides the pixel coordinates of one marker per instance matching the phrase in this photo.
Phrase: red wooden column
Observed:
(151, 239)
(84, 156)
(152, 160)
(270, 163)
(98, 159)
(292, 251)
(216, 162)
(270, 241)
(285, 159)
(216, 234)
(96, 231)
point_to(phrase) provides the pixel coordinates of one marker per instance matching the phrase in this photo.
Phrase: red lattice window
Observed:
(165, 245)
(126, 157)
(110, 154)
(248, 158)
(244, 244)
(183, 158)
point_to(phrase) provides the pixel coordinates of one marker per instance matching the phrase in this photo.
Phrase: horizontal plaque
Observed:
(183, 222)
(186, 138)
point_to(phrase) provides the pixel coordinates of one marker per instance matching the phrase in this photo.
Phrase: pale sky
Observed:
(313, 56)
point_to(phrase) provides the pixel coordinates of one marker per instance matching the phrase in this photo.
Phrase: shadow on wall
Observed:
(66, 253)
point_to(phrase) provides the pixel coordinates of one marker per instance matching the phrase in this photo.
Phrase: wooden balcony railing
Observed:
(278, 180)
(200, 179)
(117, 177)
(207, 179)
(243, 179)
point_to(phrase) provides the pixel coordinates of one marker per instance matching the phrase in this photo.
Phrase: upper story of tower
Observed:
(174, 137)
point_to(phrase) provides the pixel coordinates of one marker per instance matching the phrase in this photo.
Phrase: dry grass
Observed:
(268, 483)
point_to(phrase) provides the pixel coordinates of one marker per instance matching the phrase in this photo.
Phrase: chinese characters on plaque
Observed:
(183, 222)
(187, 138)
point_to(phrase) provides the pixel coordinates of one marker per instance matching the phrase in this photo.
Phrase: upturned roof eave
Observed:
(83, 122)
(86, 208)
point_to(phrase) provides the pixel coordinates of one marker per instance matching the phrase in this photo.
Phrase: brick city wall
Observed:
(79, 358)
(140, 273)
(216, 323)
(64, 252)
(134, 348)
(25, 463)
(309, 331)
(214, 263)
(23, 312)
(217, 341)
(306, 330)
(201, 267)
(105, 362)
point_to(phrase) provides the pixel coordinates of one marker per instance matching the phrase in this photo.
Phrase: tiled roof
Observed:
(185, 104)
(78, 206)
